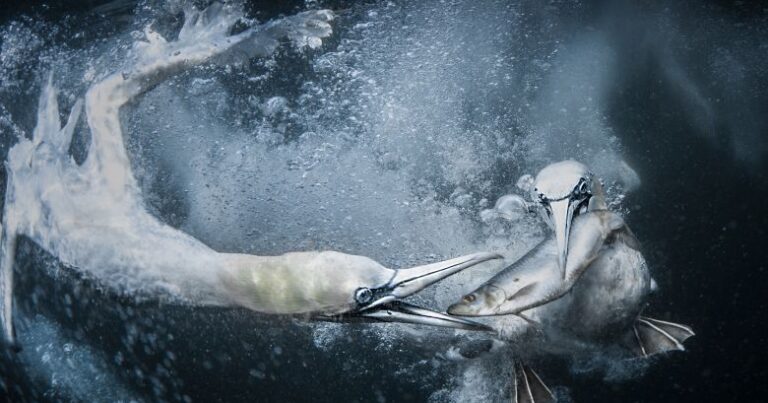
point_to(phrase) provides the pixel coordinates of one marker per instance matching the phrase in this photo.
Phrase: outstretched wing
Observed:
(49, 145)
(205, 37)
(7, 255)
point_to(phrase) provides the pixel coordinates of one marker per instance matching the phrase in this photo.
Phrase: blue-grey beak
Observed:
(404, 312)
(384, 304)
(561, 216)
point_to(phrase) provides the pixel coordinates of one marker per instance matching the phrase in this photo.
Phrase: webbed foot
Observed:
(650, 336)
(529, 388)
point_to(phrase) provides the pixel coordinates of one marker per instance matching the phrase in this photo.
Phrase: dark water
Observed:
(686, 95)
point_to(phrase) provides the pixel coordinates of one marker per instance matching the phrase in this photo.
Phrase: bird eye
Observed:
(363, 295)
(469, 298)
(582, 188)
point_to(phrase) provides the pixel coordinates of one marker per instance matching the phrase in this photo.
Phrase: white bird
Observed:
(92, 217)
(585, 286)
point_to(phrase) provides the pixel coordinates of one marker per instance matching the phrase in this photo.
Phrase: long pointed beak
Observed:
(406, 282)
(562, 215)
(410, 281)
(404, 312)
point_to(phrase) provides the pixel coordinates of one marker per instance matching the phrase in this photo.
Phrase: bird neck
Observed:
(597, 201)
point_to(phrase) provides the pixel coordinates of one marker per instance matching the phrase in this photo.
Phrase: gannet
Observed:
(584, 286)
(91, 216)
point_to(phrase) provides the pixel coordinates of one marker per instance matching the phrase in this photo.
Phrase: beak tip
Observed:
(561, 262)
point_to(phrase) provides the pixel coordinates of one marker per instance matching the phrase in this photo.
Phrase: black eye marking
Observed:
(363, 295)
(581, 189)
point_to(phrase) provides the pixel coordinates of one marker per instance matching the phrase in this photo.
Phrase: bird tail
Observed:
(651, 336)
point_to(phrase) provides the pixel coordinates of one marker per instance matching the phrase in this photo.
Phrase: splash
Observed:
(388, 143)
(91, 215)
